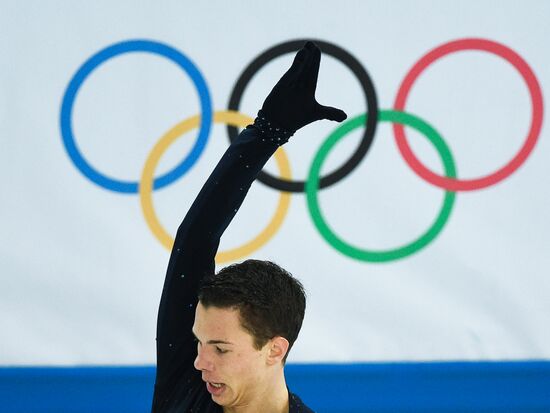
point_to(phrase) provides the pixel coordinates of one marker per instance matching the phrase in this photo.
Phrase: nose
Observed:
(202, 361)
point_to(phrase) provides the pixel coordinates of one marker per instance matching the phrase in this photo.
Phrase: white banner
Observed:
(403, 263)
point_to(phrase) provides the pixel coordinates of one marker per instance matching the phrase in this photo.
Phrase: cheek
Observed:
(252, 368)
(244, 367)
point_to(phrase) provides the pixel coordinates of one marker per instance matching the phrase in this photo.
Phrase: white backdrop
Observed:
(81, 273)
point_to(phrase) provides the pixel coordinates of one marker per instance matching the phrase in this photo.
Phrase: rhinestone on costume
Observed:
(273, 133)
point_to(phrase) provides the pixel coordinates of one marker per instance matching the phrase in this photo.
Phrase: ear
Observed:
(278, 347)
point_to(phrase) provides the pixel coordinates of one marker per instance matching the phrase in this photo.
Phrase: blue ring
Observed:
(101, 57)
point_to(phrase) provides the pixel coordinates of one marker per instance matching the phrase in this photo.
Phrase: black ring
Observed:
(370, 96)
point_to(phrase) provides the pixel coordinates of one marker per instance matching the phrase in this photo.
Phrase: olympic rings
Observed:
(536, 120)
(368, 90)
(101, 57)
(313, 184)
(146, 183)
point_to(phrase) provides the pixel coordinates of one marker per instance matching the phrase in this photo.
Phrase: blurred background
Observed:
(425, 262)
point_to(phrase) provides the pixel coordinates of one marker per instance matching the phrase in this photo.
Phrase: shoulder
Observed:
(297, 405)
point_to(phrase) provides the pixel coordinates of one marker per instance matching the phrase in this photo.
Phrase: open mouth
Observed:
(215, 389)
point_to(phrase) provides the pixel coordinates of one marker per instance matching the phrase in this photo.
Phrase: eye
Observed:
(221, 350)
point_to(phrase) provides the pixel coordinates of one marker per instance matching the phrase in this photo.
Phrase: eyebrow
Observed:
(218, 342)
(213, 341)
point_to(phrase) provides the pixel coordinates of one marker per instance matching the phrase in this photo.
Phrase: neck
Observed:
(271, 398)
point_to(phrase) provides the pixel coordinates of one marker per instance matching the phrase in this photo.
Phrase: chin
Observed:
(222, 399)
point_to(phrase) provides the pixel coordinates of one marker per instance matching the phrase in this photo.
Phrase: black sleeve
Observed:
(195, 247)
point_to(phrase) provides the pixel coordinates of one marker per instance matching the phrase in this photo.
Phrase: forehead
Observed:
(214, 323)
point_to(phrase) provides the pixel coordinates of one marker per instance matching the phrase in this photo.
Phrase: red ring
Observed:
(453, 184)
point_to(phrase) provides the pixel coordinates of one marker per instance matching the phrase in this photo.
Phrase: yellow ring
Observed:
(146, 186)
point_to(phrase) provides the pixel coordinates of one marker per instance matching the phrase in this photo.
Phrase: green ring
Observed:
(312, 186)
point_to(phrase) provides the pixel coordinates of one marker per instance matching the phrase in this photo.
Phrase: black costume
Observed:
(291, 105)
(179, 387)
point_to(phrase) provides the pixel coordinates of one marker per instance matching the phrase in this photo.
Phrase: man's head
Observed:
(248, 317)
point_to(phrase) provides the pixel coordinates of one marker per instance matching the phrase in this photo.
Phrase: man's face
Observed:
(233, 369)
